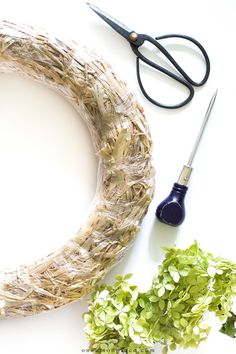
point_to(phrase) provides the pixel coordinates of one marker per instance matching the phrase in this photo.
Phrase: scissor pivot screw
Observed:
(133, 36)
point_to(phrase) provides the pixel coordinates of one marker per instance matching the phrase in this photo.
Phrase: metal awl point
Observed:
(187, 169)
(201, 131)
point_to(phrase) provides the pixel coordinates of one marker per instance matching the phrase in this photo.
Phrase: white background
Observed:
(48, 166)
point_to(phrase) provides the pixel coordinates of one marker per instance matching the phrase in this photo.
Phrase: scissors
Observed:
(136, 40)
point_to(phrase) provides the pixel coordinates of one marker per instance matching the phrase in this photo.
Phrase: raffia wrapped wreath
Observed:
(125, 177)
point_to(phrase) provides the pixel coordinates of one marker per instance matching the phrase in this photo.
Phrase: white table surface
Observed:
(48, 167)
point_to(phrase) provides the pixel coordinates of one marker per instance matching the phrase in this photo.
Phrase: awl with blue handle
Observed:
(172, 210)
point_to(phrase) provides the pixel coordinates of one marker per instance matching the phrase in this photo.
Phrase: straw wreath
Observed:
(125, 177)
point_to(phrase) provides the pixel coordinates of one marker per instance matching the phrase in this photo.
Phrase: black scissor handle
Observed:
(159, 104)
(187, 81)
(202, 50)
(168, 73)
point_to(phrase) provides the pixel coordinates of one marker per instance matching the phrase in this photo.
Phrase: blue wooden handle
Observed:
(172, 210)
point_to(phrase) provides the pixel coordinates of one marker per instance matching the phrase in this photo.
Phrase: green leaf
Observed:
(138, 328)
(103, 294)
(196, 330)
(162, 304)
(87, 317)
(184, 272)
(128, 276)
(141, 302)
(175, 275)
(183, 322)
(169, 286)
(176, 315)
(166, 278)
(219, 271)
(161, 291)
(118, 305)
(229, 327)
(153, 298)
(109, 318)
(126, 308)
(204, 325)
(196, 308)
(186, 297)
(149, 315)
(164, 350)
(173, 346)
(177, 323)
(158, 286)
(133, 336)
(135, 294)
(172, 268)
(123, 318)
(103, 316)
(211, 271)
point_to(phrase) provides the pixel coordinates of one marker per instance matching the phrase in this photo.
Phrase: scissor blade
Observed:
(115, 24)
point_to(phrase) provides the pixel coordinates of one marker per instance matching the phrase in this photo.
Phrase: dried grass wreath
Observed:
(125, 178)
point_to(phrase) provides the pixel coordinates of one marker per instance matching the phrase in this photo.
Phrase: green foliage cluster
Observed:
(172, 312)
(229, 327)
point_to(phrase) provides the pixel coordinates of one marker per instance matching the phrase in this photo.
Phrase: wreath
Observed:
(125, 175)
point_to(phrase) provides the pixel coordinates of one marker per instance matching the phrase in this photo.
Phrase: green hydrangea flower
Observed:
(172, 312)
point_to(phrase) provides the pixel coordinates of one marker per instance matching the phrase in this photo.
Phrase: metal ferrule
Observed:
(185, 175)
